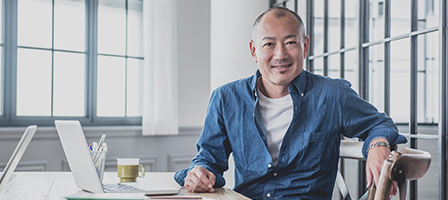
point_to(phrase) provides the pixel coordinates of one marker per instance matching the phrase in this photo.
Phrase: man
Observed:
(284, 124)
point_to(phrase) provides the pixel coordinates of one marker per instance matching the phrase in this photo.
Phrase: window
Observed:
(72, 59)
(120, 63)
(390, 51)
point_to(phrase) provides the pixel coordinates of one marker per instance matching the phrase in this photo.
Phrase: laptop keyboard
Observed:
(114, 187)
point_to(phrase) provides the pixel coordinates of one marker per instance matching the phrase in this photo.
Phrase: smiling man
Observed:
(284, 124)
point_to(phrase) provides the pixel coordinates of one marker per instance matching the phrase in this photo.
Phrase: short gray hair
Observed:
(281, 12)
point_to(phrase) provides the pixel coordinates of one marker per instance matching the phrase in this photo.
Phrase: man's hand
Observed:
(375, 160)
(200, 179)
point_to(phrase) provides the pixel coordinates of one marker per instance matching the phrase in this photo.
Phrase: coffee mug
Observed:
(128, 169)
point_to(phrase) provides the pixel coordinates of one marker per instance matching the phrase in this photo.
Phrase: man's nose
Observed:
(280, 52)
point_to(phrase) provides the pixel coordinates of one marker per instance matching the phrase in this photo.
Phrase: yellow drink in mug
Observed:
(129, 169)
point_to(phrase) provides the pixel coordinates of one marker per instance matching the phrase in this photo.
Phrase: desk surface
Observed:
(57, 185)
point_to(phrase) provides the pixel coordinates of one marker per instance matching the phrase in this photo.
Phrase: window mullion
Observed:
(310, 30)
(387, 69)
(91, 58)
(342, 39)
(10, 61)
(126, 62)
(325, 59)
(443, 102)
(413, 89)
(363, 63)
(52, 61)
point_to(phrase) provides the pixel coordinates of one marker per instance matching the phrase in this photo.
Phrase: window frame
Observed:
(9, 74)
(362, 50)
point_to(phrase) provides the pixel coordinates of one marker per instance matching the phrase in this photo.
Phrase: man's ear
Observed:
(252, 51)
(306, 46)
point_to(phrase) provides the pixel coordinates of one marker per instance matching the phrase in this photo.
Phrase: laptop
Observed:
(17, 155)
(83, 169)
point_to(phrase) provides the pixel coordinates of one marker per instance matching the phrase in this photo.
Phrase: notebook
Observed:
(17, 155)
(81, 164)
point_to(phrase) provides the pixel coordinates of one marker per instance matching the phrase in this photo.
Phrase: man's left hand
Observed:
(375, 160)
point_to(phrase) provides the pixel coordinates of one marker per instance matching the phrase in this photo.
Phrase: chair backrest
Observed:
(409, 164)
(349, 149)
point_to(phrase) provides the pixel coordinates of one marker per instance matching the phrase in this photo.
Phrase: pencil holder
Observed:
(99, 160)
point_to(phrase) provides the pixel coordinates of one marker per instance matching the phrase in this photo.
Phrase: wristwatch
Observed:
(378, 144)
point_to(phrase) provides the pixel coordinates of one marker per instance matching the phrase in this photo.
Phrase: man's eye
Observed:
(268, 44)
(291, 42)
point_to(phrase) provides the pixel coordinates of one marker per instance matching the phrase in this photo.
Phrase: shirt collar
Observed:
(253, 83)
(299, 82)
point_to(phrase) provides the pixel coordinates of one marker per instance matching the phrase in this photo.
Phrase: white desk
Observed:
(57, 185)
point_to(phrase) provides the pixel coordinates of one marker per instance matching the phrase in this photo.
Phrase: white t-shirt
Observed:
(277, 116)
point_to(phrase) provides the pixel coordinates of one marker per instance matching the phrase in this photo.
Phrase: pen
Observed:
(101, 141)
(177, 197)
(91, 149)
(94, 145)
(99, 145)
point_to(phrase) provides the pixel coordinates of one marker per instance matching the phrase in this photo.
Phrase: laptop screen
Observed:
(17, 155)
(78, 155)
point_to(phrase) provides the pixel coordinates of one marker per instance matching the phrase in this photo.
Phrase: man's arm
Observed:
(206, 169)
(362, 120)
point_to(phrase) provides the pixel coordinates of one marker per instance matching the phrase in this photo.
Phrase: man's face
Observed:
(279, 48)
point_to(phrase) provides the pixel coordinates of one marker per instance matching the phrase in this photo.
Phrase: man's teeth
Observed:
(280, 67)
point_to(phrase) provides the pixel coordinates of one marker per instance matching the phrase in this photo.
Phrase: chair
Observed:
(409, 164)
(352, 150)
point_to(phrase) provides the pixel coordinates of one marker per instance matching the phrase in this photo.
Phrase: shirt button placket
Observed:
(269, 184)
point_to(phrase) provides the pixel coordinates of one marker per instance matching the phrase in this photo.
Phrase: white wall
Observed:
(231, 31)
(194, 61)
(213, 50)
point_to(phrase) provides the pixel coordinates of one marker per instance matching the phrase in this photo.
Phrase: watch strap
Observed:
(378, 144)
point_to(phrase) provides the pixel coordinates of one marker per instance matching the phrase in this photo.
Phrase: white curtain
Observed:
(160, 96)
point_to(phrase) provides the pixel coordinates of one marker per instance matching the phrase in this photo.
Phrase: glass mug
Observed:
(129, 169)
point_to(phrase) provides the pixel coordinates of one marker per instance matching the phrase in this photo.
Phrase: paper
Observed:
(107, 196)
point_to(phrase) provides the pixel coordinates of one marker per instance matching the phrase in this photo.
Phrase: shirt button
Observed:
(268, 195)
(301, 94)
(269, 165)
(275, 174)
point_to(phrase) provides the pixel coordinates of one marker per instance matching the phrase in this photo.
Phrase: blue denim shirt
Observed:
(324, 108)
